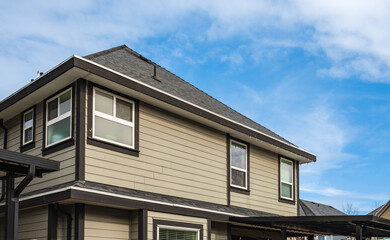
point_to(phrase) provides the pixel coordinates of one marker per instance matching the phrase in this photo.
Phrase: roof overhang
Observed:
(371, 226)
(19, 164)
(76, 67)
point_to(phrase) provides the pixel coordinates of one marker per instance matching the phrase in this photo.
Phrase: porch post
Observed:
(12, 209)
(283, 234)
(359, 233)
(310, 237)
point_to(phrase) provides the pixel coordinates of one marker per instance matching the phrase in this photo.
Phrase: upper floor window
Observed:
(238, 165)
(286, 179)
(113, 118)
(59, 118)
(28, 127)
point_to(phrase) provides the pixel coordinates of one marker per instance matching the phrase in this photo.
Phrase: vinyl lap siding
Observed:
(33, 224)
(218, 231)
(264, 183)
(177, 157)
(107, 223)
(66, 157)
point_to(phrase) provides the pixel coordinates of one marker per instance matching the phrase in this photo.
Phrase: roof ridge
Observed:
(131, 51)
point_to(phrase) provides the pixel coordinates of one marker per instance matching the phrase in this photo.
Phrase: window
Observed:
(113, 119)
(286, 179)
(28, 127)
(177, 233)
(238, 165)
(59, 118)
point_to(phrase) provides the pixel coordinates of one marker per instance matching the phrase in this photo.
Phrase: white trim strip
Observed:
(156, 89)
(125, 197)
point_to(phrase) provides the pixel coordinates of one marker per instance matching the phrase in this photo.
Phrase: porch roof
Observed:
(349, 225)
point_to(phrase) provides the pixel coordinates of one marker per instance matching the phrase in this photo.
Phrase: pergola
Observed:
(358, 226)
(12, 165)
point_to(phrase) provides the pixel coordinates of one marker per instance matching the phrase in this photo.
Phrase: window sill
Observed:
(239, 190)
(57, 147)
(283, 200)
(112, 147)
(27, 147)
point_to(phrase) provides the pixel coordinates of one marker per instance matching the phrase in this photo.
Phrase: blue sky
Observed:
(315, 72)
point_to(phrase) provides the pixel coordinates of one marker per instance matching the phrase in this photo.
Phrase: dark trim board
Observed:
(52, 222)
(80, 129)
(228, 169)
(107, 145)
(156, 223)
(142, 224)
(79, 221)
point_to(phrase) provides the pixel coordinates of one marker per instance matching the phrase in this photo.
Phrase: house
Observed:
(145, 155)
(382, 211)
(309, 208)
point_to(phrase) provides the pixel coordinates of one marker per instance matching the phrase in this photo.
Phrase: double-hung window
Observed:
(286, 179)
(238, 165)
(113, 118)
(28, 127)
(177, 233)
(59, 118)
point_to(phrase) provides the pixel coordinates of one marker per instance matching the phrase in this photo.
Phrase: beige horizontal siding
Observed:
(33, 223)
(177, 157)
(174, 218)
(264, 185)
(386, 214)
(218, 231)
(66, 157)
(107, 223)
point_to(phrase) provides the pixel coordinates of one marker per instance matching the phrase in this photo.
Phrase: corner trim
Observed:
(52, 222)
(142, 224)
(80, 129)
(79, 222)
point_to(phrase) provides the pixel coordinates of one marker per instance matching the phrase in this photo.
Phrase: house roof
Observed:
(309, 208)
(132, 64)
(379, 211)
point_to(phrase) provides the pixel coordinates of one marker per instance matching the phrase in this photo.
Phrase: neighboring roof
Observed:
(19, 163)
(309, 208)
(345, 225)
(379, 211)
(132, 64)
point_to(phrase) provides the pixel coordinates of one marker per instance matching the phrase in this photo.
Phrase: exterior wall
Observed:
(264, 185)
(33, 223)
(66, 157)
(174, 218)
(107, 223)
(218, 231)
(176, 158)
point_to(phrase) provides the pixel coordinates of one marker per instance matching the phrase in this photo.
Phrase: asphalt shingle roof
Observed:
(128, 62)
(308, 208)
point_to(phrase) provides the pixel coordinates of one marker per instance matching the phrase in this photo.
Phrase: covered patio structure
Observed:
(358, 226)
(12, 165)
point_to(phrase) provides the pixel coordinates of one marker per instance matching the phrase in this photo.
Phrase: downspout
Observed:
(5, 131)
(68, 221)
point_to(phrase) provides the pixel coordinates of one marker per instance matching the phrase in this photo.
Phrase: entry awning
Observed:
(349, 225)
(19, 163)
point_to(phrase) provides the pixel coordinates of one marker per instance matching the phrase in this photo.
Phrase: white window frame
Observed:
(114, 118)
(59, 118)
(197, 230)
(292, 179)
(237, 168)
(32, 127)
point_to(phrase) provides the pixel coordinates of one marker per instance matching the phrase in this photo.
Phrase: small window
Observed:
(113, 119)
(238, 165)
(177, 233)
(59, 118)
(28, 127)
(286, 179)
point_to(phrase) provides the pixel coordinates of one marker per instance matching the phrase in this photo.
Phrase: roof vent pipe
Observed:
(155, 73)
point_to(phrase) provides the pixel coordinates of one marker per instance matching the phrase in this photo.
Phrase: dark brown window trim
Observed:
(31, 145)
(107, 145)
(230, 187)
(176, 224)
(61, 145)
(283, 200)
